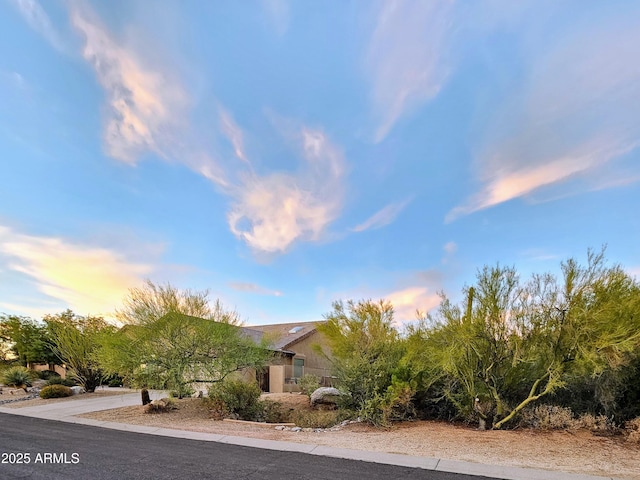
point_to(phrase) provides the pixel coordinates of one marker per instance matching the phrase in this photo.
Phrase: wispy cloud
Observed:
(575, 117)
(254, 288)
(278, 13)
(144, 107)
(147, 111)
(450, 248)
(273, 211)
(233, 133)
(382, 217)
(412, 302)
(88, 279)
(407, 58)
(38, 19)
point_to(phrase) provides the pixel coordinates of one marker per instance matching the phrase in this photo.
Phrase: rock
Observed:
(296, 429)
(281, 427)
(325, 396)
(197, 394)
(77, 390)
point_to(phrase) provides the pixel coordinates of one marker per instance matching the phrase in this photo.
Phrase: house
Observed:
(297, 353)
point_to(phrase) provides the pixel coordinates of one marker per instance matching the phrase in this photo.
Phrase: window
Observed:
(298, 367)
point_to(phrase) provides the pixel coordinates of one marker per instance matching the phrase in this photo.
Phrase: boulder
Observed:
(325, 396)
(77, 390)
(160, 406)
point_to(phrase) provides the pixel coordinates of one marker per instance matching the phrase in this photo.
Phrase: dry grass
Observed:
(577, 451)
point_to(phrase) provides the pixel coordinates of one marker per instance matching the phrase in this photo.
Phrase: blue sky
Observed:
(288, 154)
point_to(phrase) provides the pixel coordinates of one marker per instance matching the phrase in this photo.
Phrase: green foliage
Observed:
(241, 399)
(367, 353)
(164, 346)
(26, 339)
(309, 383)
(75, 340)
(46, 374)
(273, 412)
(511, 343)
(55, 391)
(151, 302)
(17, 377)
(58, 380)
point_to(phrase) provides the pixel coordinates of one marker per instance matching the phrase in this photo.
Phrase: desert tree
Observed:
(511, 343)
(173, 338)
(366, 353)
(27, 339)
(75, 341)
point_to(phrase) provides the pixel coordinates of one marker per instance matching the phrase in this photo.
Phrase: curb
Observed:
(426, 463)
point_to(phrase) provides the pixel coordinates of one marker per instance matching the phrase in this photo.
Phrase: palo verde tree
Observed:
(511, 343)
(366, 354)
(75, 340)
(174, 338)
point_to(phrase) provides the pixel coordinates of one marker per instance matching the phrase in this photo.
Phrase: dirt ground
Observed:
(569, 451)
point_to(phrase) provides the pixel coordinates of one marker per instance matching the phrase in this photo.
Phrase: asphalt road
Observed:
(58, 450)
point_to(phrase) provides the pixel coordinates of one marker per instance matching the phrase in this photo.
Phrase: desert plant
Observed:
(58, 380)
(17, 377)
(272, 412)
(217, 409)
(315, 418)
(309, 383)
(47, 374)
(55, 391)
(548, 417)
(632, 429)
(242, 399)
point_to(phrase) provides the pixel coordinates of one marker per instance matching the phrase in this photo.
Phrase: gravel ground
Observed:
(577, 451)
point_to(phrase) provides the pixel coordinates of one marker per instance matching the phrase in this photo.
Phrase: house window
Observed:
(298, 367)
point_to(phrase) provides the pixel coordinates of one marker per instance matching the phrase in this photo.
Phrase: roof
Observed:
(286, 334)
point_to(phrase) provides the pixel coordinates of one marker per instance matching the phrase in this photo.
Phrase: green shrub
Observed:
(55, 391)
(272, 412)
(46, 374)
(17, 377)
(242, 399)
(309, 384)
(58, 380)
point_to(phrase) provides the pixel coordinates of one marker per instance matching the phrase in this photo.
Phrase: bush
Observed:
(55, 391)
(115, 382)
(217, 409)
(315, 419)
(17, 377)
(46, 374)
(598, 424)
(58, 380)
(632, 429)
(547, 417)
(309, 384)
(242, 399)
(272, 412)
